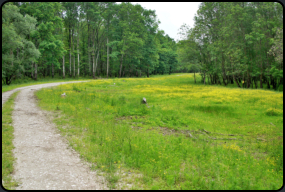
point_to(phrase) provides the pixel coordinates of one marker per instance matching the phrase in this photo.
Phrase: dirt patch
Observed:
(194, 134)
(129, 117)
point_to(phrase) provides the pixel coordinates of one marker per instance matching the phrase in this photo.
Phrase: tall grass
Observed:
(7, 144)
(188, 136)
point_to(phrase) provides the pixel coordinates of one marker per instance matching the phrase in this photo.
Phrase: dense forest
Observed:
(232, 42)
(83, 39)
(235, 42)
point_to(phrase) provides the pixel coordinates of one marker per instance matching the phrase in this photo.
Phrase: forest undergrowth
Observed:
(187, 136)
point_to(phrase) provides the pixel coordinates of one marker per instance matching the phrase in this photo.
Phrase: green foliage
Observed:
(235, 43)
(17, 50)
(280, 88)
(72, 37)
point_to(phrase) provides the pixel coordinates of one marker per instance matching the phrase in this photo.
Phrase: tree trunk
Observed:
(137, 74)
(107, 58)
(255, 83)
(243, 84)
(274, 84)
(121, 65)
(88, 50)
(223, 70)
(261, 81)
(96, 61)
(63, 68)
(236, 81)
(93, 72)
(32, 67)
(12, 58)
(248, 80)
(93, 56)
(147, 73)
(224, 81)
(52, 70)
(73, 53)
(70, 74)
(268, 83)
(8, 80)
(43, 72)
(78, 70)
(36, 72)
(194, 77)
(211, 81)
(101, 64)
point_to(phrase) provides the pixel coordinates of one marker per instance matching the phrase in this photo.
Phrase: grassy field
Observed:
(188, 136)
(28, 81)
(7, 145)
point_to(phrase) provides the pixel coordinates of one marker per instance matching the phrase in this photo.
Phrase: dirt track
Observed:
(43, 158)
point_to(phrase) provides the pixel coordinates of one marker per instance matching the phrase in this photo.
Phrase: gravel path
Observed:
(43, 158)
(7, 94)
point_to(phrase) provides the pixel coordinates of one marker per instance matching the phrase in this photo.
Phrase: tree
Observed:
(233, 40)
(101, 37)
(17, 51)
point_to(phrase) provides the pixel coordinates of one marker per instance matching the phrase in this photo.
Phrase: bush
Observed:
(280, 88)
(273, 112)
(75, 88)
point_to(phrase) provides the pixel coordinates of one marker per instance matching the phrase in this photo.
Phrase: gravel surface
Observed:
(7, 94)
(43, 158)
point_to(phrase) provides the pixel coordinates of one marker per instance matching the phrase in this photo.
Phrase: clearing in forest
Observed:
(188, 136)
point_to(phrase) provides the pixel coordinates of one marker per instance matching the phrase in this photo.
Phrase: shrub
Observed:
(273, 112)
(75, 88)
(280, 88)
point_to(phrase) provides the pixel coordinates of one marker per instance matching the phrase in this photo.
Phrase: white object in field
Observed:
(144, 100)
(63, 95)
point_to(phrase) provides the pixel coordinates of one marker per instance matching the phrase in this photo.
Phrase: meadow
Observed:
(188, 136)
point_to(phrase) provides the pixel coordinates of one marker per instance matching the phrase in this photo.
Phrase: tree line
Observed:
(83, 39)
(235, 42)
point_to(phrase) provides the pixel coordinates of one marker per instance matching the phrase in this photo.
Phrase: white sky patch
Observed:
(172, 15)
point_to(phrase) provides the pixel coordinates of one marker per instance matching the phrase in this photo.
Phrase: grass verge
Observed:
(7, 143)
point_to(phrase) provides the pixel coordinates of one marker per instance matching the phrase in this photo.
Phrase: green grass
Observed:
(7, 145)
(237, 134)
(28, 82)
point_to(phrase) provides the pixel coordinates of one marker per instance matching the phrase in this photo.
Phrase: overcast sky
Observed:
(172, 15)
